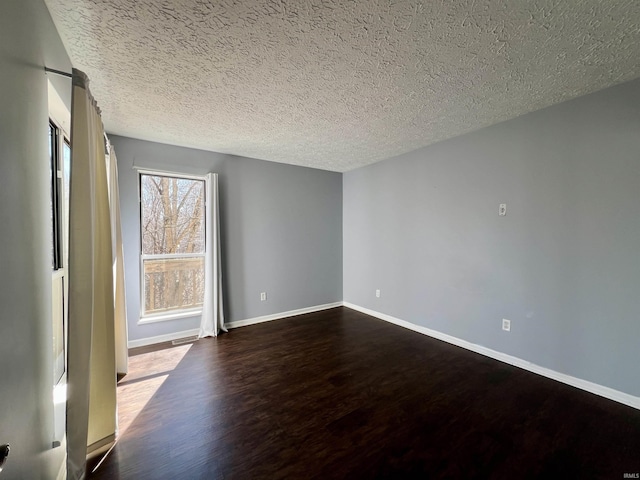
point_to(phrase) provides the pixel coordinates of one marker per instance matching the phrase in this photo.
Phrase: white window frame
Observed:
(60, 116)
(146, 318)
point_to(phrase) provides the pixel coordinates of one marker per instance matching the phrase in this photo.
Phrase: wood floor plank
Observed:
(338, 394)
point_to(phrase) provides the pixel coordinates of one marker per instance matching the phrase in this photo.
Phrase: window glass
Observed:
(53, 182)
(66, 170)
(173, 242)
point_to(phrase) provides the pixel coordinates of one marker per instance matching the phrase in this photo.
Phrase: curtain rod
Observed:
(58, 72)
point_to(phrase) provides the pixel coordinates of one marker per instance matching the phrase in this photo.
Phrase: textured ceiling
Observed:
(337, 84)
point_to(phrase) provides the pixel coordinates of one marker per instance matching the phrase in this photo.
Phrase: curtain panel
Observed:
(212, 309)
(120, 301)
(91, 402)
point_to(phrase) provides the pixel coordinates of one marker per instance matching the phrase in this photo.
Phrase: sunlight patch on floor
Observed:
(147, 373)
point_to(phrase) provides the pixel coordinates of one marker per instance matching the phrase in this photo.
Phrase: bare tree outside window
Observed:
(172, 216)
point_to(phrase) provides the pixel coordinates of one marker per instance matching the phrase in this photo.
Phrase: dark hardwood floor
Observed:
(338, 394)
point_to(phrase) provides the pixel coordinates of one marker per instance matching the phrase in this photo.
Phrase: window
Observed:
(60, 166)
(66, 176)
(58, 189)
(172, 216)
(56, 196)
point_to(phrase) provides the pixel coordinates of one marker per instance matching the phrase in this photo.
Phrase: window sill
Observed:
(169, 316)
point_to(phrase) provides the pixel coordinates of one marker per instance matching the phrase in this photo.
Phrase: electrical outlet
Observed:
(378, 293)
(502, 209)
(506, 325)
(263, 296)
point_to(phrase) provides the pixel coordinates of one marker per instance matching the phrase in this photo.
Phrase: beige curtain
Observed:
(120, 311)
(91, 403)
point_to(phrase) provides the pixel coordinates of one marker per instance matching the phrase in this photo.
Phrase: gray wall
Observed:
(563, 265)
(28, 41)
(281, 231)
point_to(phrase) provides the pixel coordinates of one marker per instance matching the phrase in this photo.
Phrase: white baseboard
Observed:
(277, 316)
(591, 387)
(62, 473)
(141, 342)
(101, 446)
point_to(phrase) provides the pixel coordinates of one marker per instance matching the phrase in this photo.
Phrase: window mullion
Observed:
(158, 256)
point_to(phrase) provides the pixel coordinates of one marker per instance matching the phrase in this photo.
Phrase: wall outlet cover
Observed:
(506, 325)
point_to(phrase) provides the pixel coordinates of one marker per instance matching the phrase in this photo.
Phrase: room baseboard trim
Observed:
(62, 473)
(142, 342)
(591, 387)
(101, 446)
(277, 316)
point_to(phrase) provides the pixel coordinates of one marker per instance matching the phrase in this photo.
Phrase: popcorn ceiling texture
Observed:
(336, 84)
